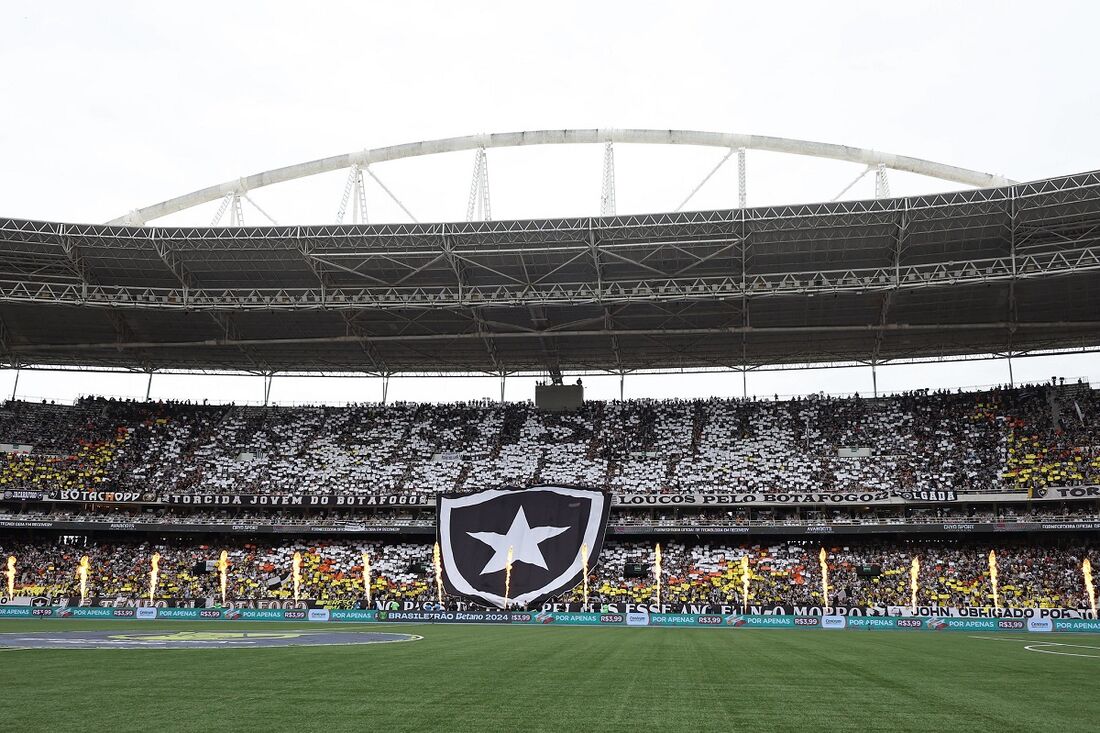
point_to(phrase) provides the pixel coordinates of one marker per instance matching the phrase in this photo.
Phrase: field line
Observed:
(1035, 648)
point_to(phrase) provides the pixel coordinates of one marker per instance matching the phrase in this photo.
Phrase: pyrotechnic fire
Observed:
(296, 570)
(11, 576)
(824, 576)
(223, 567)
(993, 578)
(82, 573)
(584, 568)
(366, 575)
(745, 576)
(438, 574)
(154, 572)
(508, 578)
(1086, 570)
(914, 574)
(657, 572)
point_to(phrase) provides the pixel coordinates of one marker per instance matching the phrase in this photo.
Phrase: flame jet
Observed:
(223, 567)
(993, 578)
(296, 571)
(438, 574)
(366, 575)
(584, 568)
(914, 574)
(746, 575)
(82, 573)
(154, 573)
(657, 573)
(1086, 570)
(508, 578)
(824, 576)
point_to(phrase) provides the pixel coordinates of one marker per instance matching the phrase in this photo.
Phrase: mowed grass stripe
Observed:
(478, 678)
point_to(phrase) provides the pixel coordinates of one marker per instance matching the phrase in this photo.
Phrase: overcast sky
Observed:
(110, 106)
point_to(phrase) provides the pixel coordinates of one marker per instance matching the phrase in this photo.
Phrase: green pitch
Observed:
(467, 678)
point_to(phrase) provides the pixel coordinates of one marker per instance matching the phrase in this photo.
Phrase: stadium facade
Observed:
(1005, 271)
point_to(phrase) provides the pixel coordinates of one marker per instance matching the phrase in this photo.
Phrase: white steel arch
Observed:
(733, 141)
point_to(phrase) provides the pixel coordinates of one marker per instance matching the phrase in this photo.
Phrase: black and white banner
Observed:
(851, 498)
(929, 495)
(21, 495)
(308, 500)
(519, 547)
(104, 497)
(880, 497)
(756, 499)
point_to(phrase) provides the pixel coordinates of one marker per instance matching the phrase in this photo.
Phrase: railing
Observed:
(700, 521)
(1070, 383)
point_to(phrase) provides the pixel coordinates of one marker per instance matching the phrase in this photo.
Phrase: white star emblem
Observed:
(522, 538)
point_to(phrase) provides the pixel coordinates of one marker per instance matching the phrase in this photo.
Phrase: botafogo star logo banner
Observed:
(518, 548)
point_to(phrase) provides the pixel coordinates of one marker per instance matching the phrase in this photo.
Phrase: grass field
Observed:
(476, 678)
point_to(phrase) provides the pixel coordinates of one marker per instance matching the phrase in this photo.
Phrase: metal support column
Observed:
(355, 195)
(149, 385)
(385, 387)
(744, 383)
(622, 385)
(15, 387)
(607, 192)
(742, 194)
(269, 377)
(477, 208)
(1011, 378)
(882, 183)
(874, 378)
(503, 376)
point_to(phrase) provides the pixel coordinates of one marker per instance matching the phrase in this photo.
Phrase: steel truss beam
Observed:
(1055, 226)
(596, 333)
(561, 137)
(656, 288)
(45, 366)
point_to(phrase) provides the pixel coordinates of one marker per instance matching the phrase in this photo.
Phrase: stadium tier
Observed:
(941, 477)
(1004, 440)
(862, 575)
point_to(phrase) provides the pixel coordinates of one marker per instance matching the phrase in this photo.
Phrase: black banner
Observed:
(309, 500)
(104, 497)
(929, 495)
(641, 500)
(240, 528)
(21, 495)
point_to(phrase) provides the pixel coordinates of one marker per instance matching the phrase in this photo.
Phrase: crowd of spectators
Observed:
(1024, 438)
(952, 572)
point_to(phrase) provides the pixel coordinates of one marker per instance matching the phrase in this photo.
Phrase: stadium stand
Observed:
(953, 572)
(1014, 442)
(1002, 439)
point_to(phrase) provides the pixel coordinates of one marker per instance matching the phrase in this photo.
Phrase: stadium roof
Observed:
(998, 270)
